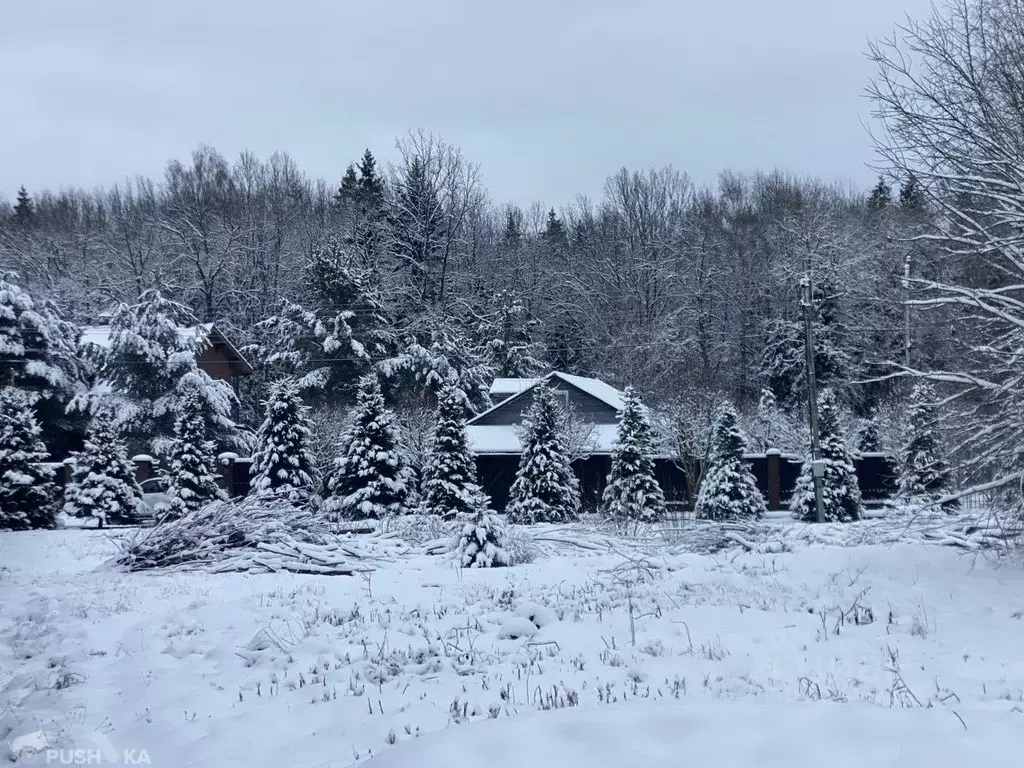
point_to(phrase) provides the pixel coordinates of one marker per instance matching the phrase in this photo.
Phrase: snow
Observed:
(595, 388)
(99, 335)
(489, 438)
(667, 735)
(502, 388)
(826, 655)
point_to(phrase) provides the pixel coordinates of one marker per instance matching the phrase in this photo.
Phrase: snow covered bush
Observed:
(546, 489)
(282, 465)
(729, 490)
(923, 472)
(449, 485)
(148, 370)
(482, 544)
(103, 482)
(192, 478)
(26, 484)
(369, 479)
(840, 490)
(632, 492)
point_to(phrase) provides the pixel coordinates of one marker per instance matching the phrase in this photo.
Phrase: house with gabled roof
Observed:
(592, 407)
(215, 354)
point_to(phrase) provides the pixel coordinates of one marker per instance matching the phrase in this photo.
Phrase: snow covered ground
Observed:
(806, 657)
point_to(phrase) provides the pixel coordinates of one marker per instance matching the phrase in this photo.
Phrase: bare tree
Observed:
(948, 94)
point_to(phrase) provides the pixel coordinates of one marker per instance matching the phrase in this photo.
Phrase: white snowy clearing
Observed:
(832, 655)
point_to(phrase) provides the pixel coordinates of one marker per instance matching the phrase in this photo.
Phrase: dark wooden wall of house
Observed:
(588, 407)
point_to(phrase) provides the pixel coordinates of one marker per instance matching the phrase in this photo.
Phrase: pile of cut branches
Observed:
(255, 534)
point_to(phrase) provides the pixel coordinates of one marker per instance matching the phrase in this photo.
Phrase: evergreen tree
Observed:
(26, 484)
(923, 472)
(729, 490)
(867, 437)
(632, 492)
(282, 465)
(332, 340)
(450, 488)
(150, 367)
(482, 543)
(103, 479)
(911, 194)
(840, 489)
(512, 237)
(510, 350)
(40, 358)
(546, 489)
(784, 365)
(192, 479)
(24, 209)
(349, 188)
(371, 186)
(880, 197)
(420, 372)
(554, 233)
(370, 478)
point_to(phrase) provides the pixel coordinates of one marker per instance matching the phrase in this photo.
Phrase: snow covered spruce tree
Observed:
(103, 482)
(545, 489)
(482, 543)
(632, 492)
(282, 465)
(40, 353)
(150, 367)
(192, 479)
(923, 472)
(449, 485)
(840, 489)
(867, 438)
(26, 487)
(332, 338)
(369, 479)
(729, 490)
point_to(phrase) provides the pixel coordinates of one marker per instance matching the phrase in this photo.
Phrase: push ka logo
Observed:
(41, 748)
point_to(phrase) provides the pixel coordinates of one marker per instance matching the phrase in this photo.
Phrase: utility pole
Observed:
(817, 466)
(906, 310)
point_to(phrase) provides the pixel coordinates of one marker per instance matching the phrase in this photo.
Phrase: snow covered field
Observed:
(798, 658)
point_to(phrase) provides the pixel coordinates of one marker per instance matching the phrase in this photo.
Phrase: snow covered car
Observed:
(154, 493)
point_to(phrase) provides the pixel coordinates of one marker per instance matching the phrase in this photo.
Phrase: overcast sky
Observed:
(549, 97)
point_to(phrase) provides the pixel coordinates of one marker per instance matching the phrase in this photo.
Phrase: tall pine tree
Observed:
(333, 338)
(369, 479)
(729, 490)
(26, 484)
(632, 492)
(840, 490)
(192, 478)
(40, 358)
(546, 489)
(150, 366)
(450, 488)
(923, 471)
(103, 482)
(282, 465)
(24, 209)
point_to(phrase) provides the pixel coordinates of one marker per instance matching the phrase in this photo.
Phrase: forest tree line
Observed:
(678, 290)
